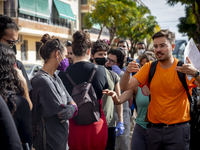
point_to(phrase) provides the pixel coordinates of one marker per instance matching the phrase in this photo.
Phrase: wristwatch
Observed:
(197, 74)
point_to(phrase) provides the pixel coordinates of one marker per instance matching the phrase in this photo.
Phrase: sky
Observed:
(166, 16)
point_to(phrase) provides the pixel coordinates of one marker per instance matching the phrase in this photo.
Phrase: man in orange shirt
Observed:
(169, 107)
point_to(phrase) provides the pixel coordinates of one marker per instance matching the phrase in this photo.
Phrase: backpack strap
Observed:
(92, 75)
(70, 79)
(151, 73)
(152, 70)
(183, 80)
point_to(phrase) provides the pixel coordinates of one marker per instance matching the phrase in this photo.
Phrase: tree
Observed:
(194, 12)
(188, 26)
(138, 27)
(109, 14)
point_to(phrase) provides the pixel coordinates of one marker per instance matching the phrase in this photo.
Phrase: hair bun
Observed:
(80, 36)
(45, 38)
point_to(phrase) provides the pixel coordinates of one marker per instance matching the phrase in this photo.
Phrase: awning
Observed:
(64, 10)
(27, 7)
(36, 8)
(42, 9)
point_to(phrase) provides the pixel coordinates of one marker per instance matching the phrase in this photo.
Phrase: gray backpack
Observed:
(86, 100)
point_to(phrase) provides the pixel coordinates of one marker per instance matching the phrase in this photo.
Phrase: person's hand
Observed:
(132, 67)
(116, 69)
(113, 95)
(66, 113)
(120, 128)
(188, 68)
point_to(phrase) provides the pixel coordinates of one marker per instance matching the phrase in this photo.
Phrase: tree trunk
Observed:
(111, 37)
(112, 31)
(131, 49)
(134, 47)
(100, 32)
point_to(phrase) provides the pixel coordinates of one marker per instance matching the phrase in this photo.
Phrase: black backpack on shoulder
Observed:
(86, 100)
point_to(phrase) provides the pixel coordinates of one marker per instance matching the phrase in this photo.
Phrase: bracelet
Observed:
(76, 112)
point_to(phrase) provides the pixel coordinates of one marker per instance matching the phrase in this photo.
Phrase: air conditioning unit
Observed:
(21, 39)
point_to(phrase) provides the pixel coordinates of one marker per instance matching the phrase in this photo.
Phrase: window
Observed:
(84, 2)
(9, 8)
(82, 24)
(38, 45)
(24, 50)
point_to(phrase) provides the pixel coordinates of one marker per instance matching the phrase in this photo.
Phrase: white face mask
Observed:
(140, 52)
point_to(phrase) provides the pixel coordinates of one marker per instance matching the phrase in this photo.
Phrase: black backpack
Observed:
(194, 113)
(86, 100)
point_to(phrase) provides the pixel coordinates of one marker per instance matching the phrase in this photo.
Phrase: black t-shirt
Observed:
(81, 72)
(9, 138)
(21, 67)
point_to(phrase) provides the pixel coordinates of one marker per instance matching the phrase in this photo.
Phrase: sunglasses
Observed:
(12, 43)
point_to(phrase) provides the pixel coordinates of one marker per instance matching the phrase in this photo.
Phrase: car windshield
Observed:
(28, 68)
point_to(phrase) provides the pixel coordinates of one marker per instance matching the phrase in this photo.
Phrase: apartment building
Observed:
(60, 18)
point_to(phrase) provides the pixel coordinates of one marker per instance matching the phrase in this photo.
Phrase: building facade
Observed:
(60, 18)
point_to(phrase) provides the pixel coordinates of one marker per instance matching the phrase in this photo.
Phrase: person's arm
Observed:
(189, 69)
(9, 135)
(127, 82)
(125, 96)
(68, 112)
(119, 99)
(24, 85)
(119, 108)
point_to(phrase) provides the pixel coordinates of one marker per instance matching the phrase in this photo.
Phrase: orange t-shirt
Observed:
(169, 102)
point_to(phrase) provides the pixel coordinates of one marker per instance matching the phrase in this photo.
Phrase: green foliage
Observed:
(110, 13)
(173, 2)
(188, 28)
(190, 24)
(123, 18)
(142, 25)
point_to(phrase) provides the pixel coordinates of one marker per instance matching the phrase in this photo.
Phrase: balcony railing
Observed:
(52, 21)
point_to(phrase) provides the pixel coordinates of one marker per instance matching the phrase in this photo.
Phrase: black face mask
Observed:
(109, 68)
(101, 61)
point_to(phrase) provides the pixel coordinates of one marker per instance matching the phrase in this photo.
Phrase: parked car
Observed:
(32, 69)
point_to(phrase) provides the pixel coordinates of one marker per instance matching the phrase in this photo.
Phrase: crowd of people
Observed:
(82, 97)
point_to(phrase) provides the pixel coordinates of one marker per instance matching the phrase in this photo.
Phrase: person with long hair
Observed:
(90, 136)
(9, 31)
(12, 89)
(52, 105)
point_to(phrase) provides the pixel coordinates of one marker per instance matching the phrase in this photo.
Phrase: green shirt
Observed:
(108, 104)
(142, 103)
